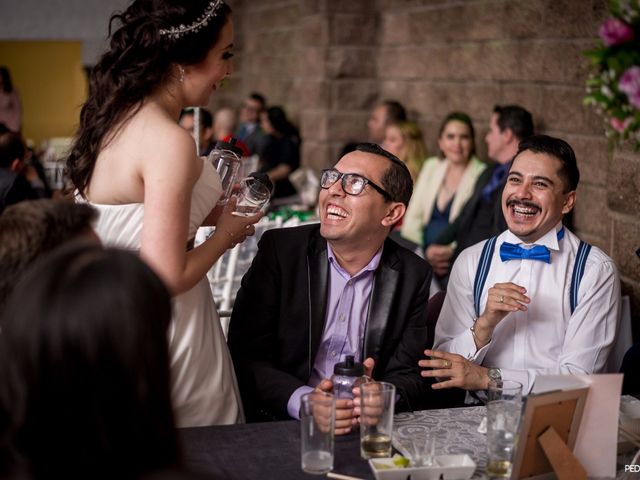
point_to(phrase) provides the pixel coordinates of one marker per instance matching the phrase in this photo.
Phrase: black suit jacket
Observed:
(478, 220)
(279, 315)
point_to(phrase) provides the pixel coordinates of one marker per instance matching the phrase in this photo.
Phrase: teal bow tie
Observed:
(510, 251)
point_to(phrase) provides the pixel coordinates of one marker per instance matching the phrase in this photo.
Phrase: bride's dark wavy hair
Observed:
(138, 62)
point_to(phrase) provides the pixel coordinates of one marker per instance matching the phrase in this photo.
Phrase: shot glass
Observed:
(417, 443)
(504, 408)
(317, 422)
(377, 404)
(252, 196)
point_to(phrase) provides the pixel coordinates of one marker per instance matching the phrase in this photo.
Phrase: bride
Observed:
(140, 170)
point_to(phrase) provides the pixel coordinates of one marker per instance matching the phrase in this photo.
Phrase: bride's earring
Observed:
(181, 70)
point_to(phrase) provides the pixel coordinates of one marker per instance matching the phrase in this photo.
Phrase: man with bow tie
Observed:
(535, 299)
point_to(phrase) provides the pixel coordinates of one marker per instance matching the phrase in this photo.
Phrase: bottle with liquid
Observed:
(346, 376)
(225, 157)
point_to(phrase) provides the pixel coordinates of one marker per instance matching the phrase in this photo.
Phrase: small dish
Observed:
(451, 467)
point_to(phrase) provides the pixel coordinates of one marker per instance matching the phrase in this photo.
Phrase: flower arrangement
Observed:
(614, 87)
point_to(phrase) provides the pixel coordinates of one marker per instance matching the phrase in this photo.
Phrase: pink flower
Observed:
(630, 84)
(614, 32)
(620, 125)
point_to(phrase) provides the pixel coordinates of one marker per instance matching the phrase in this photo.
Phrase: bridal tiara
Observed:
(176, 32)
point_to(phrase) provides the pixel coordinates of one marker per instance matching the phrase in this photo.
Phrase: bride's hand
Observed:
(236, 228)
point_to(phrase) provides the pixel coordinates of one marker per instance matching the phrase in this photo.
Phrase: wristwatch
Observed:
(495, 375)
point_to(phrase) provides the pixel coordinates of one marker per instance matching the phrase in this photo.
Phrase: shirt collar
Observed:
(549, 239)
(369, 267)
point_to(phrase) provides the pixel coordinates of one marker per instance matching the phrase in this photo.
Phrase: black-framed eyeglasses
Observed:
(352, 183)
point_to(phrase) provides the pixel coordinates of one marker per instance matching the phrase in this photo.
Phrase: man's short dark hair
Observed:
(559, 149)
(396, 179)
(515, 118)
(258, 98)
(30, 228)
(395, 112)
(11, 147)
(206, 119)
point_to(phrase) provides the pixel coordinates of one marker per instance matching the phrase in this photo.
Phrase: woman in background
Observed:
(445, 182)
(405, 141)
(84, 369)
(281, 154)
(140, 170)
(10, 104)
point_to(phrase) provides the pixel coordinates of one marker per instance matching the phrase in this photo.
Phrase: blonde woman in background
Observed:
(445, 182)
(404, 140)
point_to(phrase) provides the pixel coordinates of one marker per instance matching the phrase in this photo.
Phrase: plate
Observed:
(451, 467)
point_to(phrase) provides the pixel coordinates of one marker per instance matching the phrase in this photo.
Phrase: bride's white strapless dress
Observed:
(204, 387)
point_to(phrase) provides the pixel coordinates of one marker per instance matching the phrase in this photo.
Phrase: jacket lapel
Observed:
(384, 287)
(317, 281)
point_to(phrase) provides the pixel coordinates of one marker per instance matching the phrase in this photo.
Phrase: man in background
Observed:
(249, 130)
(382, 115)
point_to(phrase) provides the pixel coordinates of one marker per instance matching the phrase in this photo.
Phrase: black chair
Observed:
(434, 305)
(631, 369)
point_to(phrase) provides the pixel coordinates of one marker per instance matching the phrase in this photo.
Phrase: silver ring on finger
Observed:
(501, 299)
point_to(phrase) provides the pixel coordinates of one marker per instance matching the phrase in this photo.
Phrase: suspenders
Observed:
(485, 264)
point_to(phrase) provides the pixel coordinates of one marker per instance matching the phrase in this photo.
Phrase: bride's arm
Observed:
(169, 172)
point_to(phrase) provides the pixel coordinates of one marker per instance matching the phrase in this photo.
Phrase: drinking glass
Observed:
(504, 408)
(377, 403)
(317, 422)
(417, 443)
(252, 196)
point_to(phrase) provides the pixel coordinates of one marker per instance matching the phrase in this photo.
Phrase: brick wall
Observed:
(328, 61)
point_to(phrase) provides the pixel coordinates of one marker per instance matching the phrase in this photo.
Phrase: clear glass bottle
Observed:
(225, 157)
(346, 376)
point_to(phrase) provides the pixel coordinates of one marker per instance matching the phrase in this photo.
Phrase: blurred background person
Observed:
(281, 154)
(384, 114)
(84, 370)
(32, 228)
(249, 130)
(224, 123)
(10, 103)
(206, 139)
(405, 141)
(445, 182)
(14, 184)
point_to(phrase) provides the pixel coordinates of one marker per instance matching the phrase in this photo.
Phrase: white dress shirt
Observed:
(547, 338)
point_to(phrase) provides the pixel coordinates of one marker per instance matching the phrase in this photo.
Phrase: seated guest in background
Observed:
(84, 370)
(14, 185)
(543, 302)
(405, 141)
(383, 115)
(224, 123)
(10, 104)
(30, 229)
(482, 215)
(317, 293)
(445, 182)
(206, 140)
(249, 130)
(281, 153)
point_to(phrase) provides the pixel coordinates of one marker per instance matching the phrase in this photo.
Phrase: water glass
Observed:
(377, 404)
(252, 196)
(504, 408)
(416, 443)
(317, 423)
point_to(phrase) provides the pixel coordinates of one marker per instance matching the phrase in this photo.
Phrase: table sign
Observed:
(596, 443)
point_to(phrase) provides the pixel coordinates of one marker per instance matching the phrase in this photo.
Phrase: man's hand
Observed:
(454, 371)
(369, 363)
(344, 409)
(439, 256)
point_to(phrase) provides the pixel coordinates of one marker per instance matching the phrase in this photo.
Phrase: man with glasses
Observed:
(249, 130)
(317, 293)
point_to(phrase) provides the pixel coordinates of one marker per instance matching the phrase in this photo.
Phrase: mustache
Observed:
(522, 203)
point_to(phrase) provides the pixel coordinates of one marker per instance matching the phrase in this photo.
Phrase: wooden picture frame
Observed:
(561, 410)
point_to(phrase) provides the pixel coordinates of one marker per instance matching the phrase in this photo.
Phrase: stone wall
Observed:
(329, 61)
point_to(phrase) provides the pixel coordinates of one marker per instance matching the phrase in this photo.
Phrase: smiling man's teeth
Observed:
(519, 210)
(335, 213)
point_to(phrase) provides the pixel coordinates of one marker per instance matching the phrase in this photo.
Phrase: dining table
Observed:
(271, 450)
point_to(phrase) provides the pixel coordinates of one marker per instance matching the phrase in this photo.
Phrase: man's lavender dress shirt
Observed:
(347, 310)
